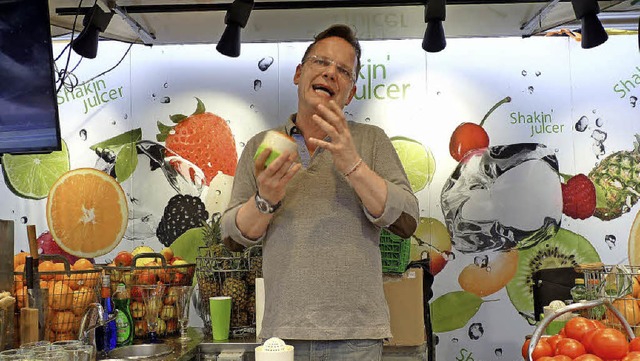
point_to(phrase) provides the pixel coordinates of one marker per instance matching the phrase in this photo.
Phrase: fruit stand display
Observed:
(146, 269)
(223, 273)
(70, 288)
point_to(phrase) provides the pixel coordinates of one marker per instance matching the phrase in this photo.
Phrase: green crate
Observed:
(395, 252)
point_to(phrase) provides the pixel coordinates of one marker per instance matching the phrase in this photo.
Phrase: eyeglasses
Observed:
(320, 62)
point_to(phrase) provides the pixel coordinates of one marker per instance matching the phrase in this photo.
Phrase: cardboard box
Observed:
(405, 300)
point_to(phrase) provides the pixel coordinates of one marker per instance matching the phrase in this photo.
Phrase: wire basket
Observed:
(159, 272)
(67, 294)
(620, 285)
(230, 276)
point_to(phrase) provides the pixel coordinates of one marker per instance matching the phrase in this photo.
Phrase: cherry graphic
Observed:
(469, 136)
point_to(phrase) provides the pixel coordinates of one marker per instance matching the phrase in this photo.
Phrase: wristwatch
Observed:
(264, 206)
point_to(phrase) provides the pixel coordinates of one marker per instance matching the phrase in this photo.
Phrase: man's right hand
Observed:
(272, 180)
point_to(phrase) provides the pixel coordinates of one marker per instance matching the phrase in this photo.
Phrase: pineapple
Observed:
(213, 240)
(618, 177)
(237, 290)
(254, 255)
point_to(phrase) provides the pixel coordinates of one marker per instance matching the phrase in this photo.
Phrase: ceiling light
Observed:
(434, 39)
(94, 22)
(593, 33)
(236, 18)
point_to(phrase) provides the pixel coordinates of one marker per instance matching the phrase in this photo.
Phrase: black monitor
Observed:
(29, 121)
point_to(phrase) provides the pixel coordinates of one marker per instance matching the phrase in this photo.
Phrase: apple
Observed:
(172, 325)
(162, 327)
(137, 309)
(167, 253)
(140, 328)
(123, 259)
(171, 297)
(146, 277)
(174, 259)
(180, 262)
(168, 312)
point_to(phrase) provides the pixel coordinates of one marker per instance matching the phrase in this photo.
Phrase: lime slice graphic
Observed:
(32, 175)
(417, 160)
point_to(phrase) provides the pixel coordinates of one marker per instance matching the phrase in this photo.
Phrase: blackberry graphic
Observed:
(182, 213)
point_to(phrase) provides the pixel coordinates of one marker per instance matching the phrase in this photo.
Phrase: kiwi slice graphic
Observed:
(565, 249)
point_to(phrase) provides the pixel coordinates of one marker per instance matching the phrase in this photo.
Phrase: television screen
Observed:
(28, 109)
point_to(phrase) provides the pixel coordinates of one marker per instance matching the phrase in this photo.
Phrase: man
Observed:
(319, 220)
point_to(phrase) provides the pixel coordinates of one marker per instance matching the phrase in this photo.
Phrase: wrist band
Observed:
(354, 168)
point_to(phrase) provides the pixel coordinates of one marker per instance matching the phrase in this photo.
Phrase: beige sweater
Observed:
(321, 260)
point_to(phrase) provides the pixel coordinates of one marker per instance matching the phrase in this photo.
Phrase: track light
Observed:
(237, 17)
(593, 33)
(94, 22)
(434, 14)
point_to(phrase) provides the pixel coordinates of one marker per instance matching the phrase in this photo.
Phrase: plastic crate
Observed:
(395, 252)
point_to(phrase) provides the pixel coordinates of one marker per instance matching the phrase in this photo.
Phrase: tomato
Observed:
(587, 357)
(553, 340)
(545, 358)
(609, 344)
(577, 327)
(542, 349)
(634, 345)
(570, 347)
(561, 358)
(632, 356)
(598, 324)
(562, 332)
(586, 340)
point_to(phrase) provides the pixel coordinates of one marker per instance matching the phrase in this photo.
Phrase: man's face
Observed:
(328, 72)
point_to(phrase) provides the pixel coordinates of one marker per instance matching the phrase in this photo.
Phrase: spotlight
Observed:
(434, 15)
(593, 33)
(237, 17)
(94, 22)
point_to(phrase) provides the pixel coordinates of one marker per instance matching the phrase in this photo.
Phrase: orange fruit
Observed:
(82, 264)
(62, 322)
(87, 212)
(20, 258)
(59, 269)
(19, 278)
(81, 298)
(62, 296)
(45, 268)
(21, 295)
(67, 336)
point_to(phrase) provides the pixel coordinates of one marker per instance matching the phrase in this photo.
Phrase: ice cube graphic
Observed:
(501, 197)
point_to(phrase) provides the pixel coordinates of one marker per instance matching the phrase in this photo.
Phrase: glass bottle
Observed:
(578, 291)
(124, 321)
(106, 335)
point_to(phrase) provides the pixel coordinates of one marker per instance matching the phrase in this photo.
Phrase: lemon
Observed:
(32, 175)
(417, 160)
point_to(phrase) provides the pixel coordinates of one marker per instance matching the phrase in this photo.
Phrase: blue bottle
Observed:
(106, 336)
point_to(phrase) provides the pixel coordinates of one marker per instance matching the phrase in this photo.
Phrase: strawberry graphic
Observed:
(578, 197)
(202, 138)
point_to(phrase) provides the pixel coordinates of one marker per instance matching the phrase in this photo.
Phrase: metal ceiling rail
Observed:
(288, 5)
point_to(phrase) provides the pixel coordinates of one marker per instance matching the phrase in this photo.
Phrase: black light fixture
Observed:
(94, 22)
(593, 33)
(237, 17)
(434, 15)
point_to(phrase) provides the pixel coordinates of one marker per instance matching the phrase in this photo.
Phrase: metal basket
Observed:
(229, 276)
(67, 292)
(135, 276)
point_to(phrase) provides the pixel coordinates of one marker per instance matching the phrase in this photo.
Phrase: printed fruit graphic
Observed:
(565, 249)
(618, 177)
(87, 212)
(47, 245)
(278, 142)
(431, 240)
(470, 136)
(202, 138)
(417, 161)
(32, 175)
(484, 280)
(182, 213)
(634, 242)
(578, 197)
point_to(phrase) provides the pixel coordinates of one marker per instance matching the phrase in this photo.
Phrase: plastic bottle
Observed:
(124, 321)
(578, 291)
(106, 335)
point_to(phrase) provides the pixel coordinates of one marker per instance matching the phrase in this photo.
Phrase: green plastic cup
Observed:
(220, 309)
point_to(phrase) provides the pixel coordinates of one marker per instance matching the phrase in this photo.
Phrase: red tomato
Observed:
(634, 345)
(632, 356)
(553, 340)
(542, 349)
(586, 339)
(578, 327)
(598, 324)
(609, 344)
(587, 357)
(545, 358)
(561, 358)
(570, 347)
(562, 332)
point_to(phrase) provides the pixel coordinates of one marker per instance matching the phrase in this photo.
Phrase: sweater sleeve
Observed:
(401, 211)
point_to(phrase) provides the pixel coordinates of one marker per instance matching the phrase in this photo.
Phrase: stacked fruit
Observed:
(582, 339)
(149, 270)
(68, 293)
